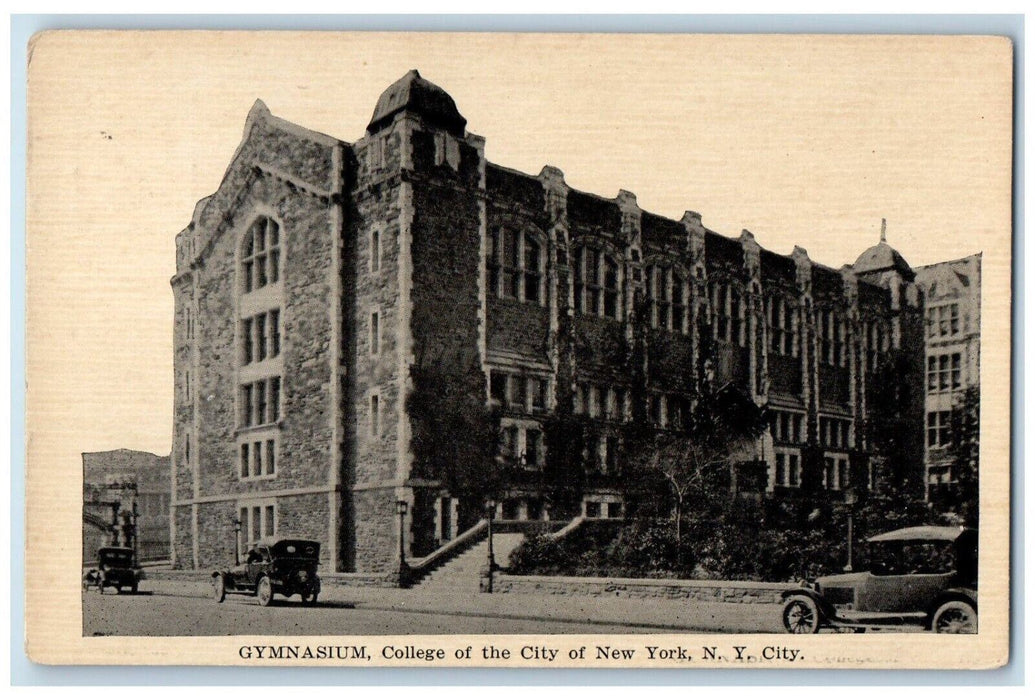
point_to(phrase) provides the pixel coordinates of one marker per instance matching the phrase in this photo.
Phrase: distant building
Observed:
(952, 293)
(115, 481)
(320, 272)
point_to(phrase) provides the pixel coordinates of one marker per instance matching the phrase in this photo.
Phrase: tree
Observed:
(695, 461)
(456, 435)
(965, 449)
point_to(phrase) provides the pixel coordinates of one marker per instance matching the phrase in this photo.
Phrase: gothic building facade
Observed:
(952, 294)
(320, 272)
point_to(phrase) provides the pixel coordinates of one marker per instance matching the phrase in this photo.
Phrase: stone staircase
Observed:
(462, 573)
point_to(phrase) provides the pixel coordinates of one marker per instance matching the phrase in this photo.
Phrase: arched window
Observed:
(260, 255)
(515, 263)
(597, 283)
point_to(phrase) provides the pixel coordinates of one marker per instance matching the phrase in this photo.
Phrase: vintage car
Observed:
(115, 569)
(277, 565)
(922, 576)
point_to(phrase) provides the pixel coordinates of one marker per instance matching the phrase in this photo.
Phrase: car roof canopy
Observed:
(928, 533)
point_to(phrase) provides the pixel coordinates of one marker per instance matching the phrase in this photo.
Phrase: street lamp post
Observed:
(850, 500)
(491, 508)
(401, 507)
(237, 541)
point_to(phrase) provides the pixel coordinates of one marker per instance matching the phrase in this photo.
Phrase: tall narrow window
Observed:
(375, 250)
(375, 415)
(375, 333)
(679, 303)
(274, 323)
(532, 274)
(260, 337)
(246, 341)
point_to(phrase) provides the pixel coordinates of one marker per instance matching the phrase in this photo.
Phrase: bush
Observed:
(758, 541)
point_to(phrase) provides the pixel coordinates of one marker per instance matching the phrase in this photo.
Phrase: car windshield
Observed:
(117, 557)
(900, 558)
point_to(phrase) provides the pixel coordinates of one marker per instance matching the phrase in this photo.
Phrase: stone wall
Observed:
(749, 592)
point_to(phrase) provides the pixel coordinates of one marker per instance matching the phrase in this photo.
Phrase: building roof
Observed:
(921, 532)
(882, 257)
(412, 93)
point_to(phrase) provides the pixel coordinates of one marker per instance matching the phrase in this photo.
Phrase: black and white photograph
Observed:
(485, 349)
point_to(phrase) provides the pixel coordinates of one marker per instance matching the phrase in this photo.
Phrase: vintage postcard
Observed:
(518, 350)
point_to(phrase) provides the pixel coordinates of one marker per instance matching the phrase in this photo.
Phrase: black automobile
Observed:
(277, 565)
(918, 576)
(115, 569)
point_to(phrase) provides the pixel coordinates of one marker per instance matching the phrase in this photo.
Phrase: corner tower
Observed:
(418, 286)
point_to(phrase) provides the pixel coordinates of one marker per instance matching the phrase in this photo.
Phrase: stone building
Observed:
(116, 484)
(320, 272)
(952, 292)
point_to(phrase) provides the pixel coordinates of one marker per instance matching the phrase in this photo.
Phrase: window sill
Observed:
(252, 479)
(250, 429)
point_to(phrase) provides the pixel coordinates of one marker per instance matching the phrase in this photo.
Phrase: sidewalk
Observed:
(664, 615)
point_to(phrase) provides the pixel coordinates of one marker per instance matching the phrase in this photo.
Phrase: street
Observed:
(164, 608)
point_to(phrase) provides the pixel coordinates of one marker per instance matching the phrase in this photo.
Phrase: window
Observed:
(833, 432)
(260, 337)
(788, 469)
(943, 321)
(258, 520)
(610, 456)
(533, 448)
(258, 458)
(537, 390)
(832, 337)
(596, 283)
(376, 152)
(260, 260)
(943, 372)
(260, 402)
(515, 265)
(498, 387)
(727, 313)
(375, 415)
(616, 408)
(666, 293)
(186, 447)
(939, 428)
(787, 427)
(875, 341)
(835, 471)
(375, 333)
(782, 324)
(375, 250)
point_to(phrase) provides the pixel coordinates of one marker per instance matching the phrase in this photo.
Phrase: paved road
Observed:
(188, 615)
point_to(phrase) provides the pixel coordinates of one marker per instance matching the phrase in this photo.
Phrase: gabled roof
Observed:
(412, 93)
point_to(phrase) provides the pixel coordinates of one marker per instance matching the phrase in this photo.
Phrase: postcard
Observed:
(518, 350)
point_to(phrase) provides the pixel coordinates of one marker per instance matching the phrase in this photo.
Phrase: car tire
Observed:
(801, 615)
(264, 591)
(955, 617)
(309, 598)
(218, 588)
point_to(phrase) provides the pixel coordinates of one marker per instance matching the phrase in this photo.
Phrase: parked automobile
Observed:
(278, 565)
(922, 576)
(115, 569)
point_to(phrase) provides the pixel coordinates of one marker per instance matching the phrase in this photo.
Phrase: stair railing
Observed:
(419, 568)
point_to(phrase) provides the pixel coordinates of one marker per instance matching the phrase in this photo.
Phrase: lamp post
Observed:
(490, 507)
(401, 507)
(851, 498)
(237, 541)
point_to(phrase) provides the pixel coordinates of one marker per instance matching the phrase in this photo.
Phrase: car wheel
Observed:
(801, 615)
(309, 598)
(955, 617)
(133, 589)
(218, 589)
(264, 592)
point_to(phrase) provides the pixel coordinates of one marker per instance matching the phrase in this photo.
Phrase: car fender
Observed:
(824, 607)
